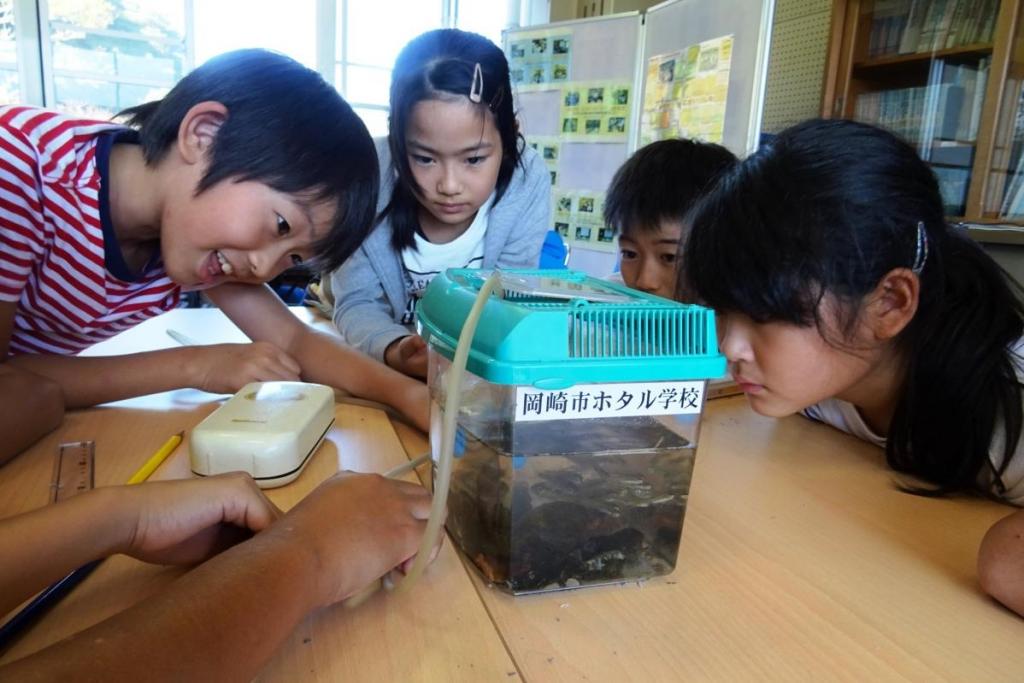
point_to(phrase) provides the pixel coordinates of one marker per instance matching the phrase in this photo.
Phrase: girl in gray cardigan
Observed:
(458, 189)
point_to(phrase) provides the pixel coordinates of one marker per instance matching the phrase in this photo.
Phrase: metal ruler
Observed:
(72, 474)
(72, 470)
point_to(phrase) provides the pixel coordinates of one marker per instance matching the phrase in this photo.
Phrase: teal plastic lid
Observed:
(555, 328)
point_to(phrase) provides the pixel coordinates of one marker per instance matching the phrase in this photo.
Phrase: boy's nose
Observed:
(261, 266)
(648, 280)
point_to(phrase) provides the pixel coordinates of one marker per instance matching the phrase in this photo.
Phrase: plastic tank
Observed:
(577, 429)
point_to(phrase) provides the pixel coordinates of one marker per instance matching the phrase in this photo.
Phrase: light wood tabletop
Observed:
(800, 560)
(438, 631)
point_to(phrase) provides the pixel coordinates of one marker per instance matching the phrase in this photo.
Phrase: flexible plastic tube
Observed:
(402, 469)
(445, 457)
(451, 410)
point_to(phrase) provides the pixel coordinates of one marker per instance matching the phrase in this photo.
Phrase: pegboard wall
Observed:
(796, 64)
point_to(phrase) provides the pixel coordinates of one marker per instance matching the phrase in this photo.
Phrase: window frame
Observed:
(37, 74)
(27, 48)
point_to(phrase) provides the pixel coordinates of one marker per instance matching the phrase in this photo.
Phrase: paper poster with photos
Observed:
(595, 111)
(540, 60)
(550, 149)
(685, 92)
(579, 219)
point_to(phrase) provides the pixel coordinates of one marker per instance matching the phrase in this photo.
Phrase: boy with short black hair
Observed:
(647, 203)
(250, 164)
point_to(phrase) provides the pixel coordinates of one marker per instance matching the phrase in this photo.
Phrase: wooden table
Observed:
(800, 561)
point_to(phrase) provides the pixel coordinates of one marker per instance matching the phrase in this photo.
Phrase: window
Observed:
(10, 88)
(223, 25)
(105, 55)
(486, 17)
(365, 56)
(97, 57)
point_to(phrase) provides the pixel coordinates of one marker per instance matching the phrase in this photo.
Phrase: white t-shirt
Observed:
(428, 259)
(845, 416)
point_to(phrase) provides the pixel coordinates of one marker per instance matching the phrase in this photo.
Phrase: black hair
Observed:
(439, 65)
(287, 128)
(661, 182)
(828, 208)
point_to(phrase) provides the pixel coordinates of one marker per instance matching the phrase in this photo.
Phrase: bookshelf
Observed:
(947, 76)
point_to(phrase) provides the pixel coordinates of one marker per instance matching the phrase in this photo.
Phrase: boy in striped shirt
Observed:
(252, 163)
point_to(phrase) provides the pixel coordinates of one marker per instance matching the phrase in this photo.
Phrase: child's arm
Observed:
(33, 406)
(324, 358)
(224, 619)
(361, 310)
(179, 522)
(1001, 562)
(529, 209)
(362, 316)
(88, 381)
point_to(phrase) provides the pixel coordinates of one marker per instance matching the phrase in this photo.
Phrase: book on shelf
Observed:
(924, 26)
(953, 182)
(932, 31)
(912, 31)
(948, 36)
(947, 108)
(888, 21)
(1013, 199)
(978, 95)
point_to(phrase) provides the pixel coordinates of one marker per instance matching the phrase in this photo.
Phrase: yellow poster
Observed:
(595, 111)
(549, 148)
(540, 60)
(686, 92)
(579, 219)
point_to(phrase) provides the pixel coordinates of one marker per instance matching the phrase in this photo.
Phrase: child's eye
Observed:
(627, 254)
(421, 159)
(282, 226)
(296, 260)
(475, 161)
(668, 259)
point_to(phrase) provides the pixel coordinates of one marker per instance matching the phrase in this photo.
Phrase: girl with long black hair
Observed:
(842, 292)
(459, 189)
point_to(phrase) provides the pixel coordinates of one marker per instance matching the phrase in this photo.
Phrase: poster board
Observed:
(690, 38)
(577, 98)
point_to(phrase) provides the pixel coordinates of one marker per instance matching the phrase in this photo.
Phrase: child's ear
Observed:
(893, 303)
(198, 129)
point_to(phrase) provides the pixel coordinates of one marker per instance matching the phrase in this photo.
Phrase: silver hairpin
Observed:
(476, 89)
(921, 253)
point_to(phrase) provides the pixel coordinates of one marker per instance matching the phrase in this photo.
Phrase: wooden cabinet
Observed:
(947, 76)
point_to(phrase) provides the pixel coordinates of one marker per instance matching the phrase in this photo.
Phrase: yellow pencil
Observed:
(158, 457)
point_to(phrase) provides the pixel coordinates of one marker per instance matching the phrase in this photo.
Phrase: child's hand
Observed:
(408, 355)
(188, 521)
(226, 368)
(357, 527)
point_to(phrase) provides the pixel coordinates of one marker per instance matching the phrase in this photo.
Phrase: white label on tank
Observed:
(622, 399)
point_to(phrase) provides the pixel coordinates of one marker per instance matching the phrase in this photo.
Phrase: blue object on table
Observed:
(28, 615)
(293, 295)
(554, 253)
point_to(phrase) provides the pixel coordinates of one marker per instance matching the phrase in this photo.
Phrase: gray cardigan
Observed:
(369, 288)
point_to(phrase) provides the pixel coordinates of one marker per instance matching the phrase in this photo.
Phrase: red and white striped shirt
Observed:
(53, 251)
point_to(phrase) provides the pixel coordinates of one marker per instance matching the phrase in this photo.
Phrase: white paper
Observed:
(619, 399)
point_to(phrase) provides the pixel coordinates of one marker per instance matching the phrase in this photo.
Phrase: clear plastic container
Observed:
(563, 503)
(577, 426)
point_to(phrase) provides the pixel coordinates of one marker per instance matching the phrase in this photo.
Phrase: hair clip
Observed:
(921, 253)
(476, 90)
